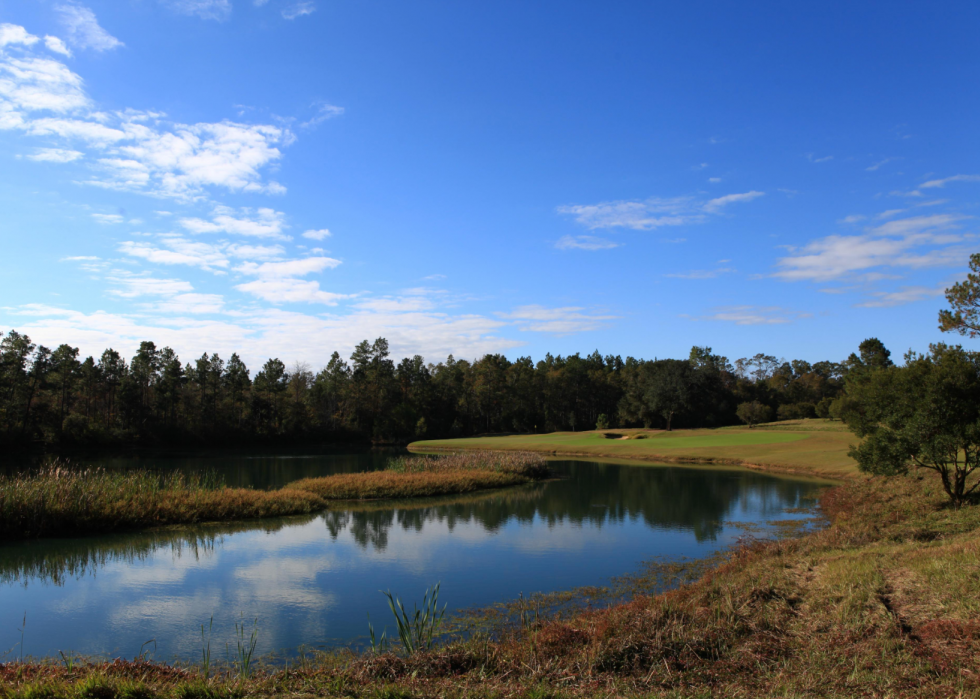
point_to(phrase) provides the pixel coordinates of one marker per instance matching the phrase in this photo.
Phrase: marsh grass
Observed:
(63, 501)
(430, 476)
(883, 602)
(60, 500)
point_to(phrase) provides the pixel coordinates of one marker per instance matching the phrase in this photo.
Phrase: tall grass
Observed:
(59, 500)
(63, 501)
(521, 462)
(416, 631)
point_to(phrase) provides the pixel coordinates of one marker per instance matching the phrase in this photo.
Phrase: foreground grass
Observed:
(61, 501)
(812, 447)
(884, 602)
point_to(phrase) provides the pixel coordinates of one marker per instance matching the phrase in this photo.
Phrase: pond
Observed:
(312, 581)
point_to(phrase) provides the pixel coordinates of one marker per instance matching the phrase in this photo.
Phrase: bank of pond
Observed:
(311, 580)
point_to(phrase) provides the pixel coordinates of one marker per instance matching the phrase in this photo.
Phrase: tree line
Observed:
(56, 397)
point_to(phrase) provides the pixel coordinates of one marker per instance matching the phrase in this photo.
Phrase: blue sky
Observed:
(286, 178)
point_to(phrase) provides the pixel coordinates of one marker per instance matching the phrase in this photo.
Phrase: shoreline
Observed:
(834, 612)
(658, 459)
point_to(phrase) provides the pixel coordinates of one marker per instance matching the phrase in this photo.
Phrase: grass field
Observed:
(811, 447)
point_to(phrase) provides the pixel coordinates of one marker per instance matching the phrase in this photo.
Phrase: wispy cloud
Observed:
(323, 112)
(321, 234)
(904, 295)
(649, 214)
(205, 9)
(644, 215)
(932, 184)
(82, 28)
(55, 155)
(585, 242)
(557, 321)
(875, 166)
(299, 9)
(752, 315)
(814, 159)
(261, 223)
(911, 243)
(715, 205)
(108, 218)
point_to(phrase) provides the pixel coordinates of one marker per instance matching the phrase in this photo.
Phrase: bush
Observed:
(796, 411)
(753, 413)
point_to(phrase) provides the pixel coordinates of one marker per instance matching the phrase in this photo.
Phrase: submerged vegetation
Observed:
(881, 602)
(61, 501)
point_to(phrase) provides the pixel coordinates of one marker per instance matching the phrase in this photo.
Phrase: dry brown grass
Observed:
(61, 501)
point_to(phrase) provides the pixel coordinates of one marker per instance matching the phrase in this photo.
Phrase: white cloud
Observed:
(290, 290)
(321, 234)
(911, 243)
(585, 242)
(195, 304)
(638, 215)
(57, 45)
(262, 223)
(12, 35)
(55, 155)
(289, 268)
(891, 213)
(652, 213)
(932, 184)
(557, 321)
(177, 250)
(715, 205)
(299, 9)
(324, 112)
(268, 333)
(132, 286)
(36, 84)
(906, 294)
(205, 9)
(753, 315)
(277, 281)
(108, 218)
(853, 218)
(714, 180)
(875, 166)
(814, 159)
(82, 28)
(132, 150)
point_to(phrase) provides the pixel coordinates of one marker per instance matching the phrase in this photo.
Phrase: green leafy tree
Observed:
(753, 413)
(668, 391)
(924, 414)
(964, 300)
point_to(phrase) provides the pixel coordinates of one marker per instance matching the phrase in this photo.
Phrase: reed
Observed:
(59, 500)
(63, 501)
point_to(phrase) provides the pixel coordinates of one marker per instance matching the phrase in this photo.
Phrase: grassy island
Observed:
(882, 602)
(60, 501)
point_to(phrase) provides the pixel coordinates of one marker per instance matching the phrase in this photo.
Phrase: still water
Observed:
(312, 581)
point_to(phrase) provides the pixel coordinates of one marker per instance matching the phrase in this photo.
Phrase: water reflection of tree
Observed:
(588, 494)
(58, 560)
(595, 495)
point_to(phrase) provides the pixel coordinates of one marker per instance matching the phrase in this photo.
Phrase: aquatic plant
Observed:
(416, 631)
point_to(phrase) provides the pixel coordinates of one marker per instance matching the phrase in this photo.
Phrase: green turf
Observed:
(814, 447)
